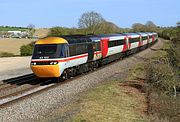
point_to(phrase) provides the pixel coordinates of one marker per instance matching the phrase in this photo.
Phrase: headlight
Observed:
(33, 63)
(53, 63)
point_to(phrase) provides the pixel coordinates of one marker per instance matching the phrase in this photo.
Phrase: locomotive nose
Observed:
(45, 71)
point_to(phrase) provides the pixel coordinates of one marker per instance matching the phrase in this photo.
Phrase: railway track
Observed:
(16, 96)
(34, 86)
(14, 88)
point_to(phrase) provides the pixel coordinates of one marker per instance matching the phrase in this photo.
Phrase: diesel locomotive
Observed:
(67, 56)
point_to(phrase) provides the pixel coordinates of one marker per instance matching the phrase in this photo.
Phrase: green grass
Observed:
(109, 103)
(7, 28)
(162, 52)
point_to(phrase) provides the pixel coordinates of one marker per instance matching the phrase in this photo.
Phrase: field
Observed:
(7, 28)
(13, 45)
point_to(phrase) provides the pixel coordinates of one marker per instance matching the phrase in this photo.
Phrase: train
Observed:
(67, 56)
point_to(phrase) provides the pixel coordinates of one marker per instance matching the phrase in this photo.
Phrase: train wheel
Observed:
(65, 75)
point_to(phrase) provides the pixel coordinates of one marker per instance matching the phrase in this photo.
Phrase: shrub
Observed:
(6, 54)
(26, 50)
(163, 75)
(163, 108)
(59, 31)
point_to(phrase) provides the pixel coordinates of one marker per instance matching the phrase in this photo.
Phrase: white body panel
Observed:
(78, 61)
(144, 42)
(115, 50)
(134, 45)
(97, 55)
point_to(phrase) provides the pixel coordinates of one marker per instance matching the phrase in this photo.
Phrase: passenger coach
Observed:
(67, 56)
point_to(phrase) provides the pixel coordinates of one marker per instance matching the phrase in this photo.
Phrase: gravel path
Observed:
(39, 106)
(14, 66)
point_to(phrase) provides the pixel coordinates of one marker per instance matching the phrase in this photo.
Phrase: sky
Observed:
(50, 13)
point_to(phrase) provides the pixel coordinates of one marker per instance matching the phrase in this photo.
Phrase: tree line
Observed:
(89, 23)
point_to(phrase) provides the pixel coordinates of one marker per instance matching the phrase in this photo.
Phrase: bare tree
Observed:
(150, 26)
(91, 21)
(178, 24)
(31, 26)
(138, 27)
(31, 29)
(108, 27)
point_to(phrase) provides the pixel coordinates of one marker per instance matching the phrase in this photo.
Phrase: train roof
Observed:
(51, 40)
(131, 34)
(71, 39)
(143, 33)
(149, 33)
(154, 33)
(109, 35)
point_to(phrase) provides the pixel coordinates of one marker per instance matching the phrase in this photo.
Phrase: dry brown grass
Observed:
(13, 45)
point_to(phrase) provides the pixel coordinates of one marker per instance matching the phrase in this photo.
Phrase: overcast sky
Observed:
(49, 13)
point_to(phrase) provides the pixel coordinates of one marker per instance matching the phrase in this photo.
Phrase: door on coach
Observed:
(90, 52)
(104, 47)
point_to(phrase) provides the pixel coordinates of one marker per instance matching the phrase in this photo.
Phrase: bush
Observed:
(161, 90)
(26, 50)
(59, 31)
(163, 108)
(6, 54)
(163, 76)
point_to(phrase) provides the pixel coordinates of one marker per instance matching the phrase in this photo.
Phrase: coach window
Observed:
(97, 46)
(120, 42)
(72, 50)
(62, 51)
(112, 43)
(66, 50)
(84, 48)
(144, 38)
(133, 40)
(130, 40)
(137, 39)
(81, 49)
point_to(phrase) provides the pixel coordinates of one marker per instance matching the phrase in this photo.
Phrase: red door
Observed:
(152, 38)
(125, 47)
(104, 47)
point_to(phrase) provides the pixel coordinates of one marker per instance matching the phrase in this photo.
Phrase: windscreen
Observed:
(47, 51)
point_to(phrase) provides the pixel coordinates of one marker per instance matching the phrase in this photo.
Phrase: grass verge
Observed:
(112, 101)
